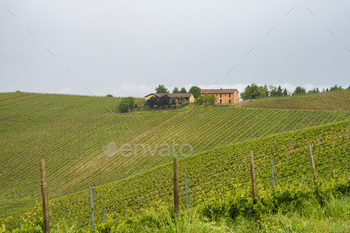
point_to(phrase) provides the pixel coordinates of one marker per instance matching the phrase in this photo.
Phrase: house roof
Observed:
(176, 95)
(218, 91)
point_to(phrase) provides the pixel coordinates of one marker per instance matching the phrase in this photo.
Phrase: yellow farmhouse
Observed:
(223, 95)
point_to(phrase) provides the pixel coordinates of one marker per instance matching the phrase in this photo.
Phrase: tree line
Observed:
(196, 91)
(254, 91)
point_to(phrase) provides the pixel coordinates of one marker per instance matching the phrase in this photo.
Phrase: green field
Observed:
(214, 174)
(70, 133)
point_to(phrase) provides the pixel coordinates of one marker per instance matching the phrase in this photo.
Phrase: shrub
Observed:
(126, 104)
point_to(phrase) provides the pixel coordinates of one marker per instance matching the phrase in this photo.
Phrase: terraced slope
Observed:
(337, 100)
(213, 173)
(71, 132)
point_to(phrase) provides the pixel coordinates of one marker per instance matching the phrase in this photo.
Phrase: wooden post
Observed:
(92, 209)
(272, 176)
(313, 169)
(104, 216)
(312, 163)
(44, 196)
(186, 189)
(176, 188)
(252, 174)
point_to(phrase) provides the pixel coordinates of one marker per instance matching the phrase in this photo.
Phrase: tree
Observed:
(109, 95)
(254, 92)
(164, 101)
(336, 88)
(152, 101)
(273, 91)
(161, 89)
(183, 90)
(348, 88)
(276, 92)
(315, 90)
(299, 91)
(176, 90)
(279, 91)
(200, 100)
(210, 99)
(285, 92)
(196, 91)
(173, 100)
(126, 104)
(267, 91)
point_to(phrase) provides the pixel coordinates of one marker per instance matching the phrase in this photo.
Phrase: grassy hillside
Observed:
(71, 132)
(336, 100)
(214, 174)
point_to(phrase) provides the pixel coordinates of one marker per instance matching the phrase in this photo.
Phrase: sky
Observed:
(128, 47)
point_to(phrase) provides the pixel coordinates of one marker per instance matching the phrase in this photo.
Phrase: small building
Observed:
(222, 95)
(179, 97)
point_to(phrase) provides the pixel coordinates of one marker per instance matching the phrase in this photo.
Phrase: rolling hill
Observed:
(72, 133)
(213, 174)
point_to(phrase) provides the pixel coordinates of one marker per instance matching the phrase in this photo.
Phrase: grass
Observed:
(333, 216)
(335, 100)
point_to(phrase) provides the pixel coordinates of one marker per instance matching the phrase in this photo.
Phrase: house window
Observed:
(229, 95)
(225, 99)
(216, 94)
(220, 95)
(225, 94)
(220, 101)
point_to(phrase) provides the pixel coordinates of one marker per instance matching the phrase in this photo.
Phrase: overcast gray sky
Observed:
(127, 47)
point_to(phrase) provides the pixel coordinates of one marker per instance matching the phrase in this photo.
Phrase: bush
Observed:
(126, 104)
(174, 107)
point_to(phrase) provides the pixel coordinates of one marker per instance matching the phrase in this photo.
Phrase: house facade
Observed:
(222, 95)
(179, 97)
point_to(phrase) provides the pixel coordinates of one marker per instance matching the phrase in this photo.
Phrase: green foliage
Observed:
(126, 104)
(200, 100)
(173, 100)
(109, 95)
(314, 91)
(183, 90)
(299, 91)
(196, 91)
(210, 99)
(336, 88)
(151, 102)
(254, 91)
(161, 89)
(163, 101)
(176, 90)
(276, 92)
